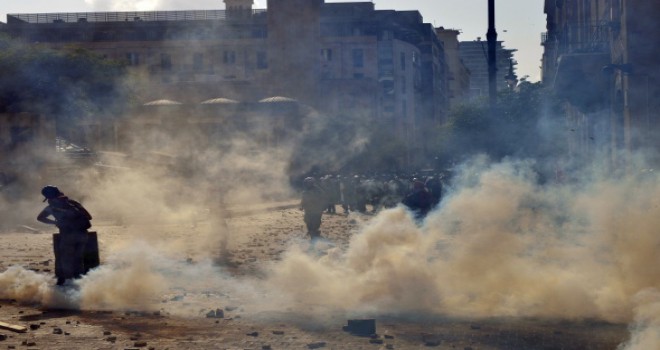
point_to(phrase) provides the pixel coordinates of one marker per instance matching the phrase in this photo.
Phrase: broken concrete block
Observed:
(316, 345)
(361, 327)
(214, 314)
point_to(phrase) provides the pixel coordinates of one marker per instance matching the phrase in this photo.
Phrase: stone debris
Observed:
(266, 347)
(253, 334)
(28, 343)
(376, 341)
(316, 345)
(111, 339)
(107, 332)
(278, 332)
(3, 337)
(57, 331)
(217, 313)
(430, 339)
(35, 326)
(13, 327)
(140, 344)
(361, 327)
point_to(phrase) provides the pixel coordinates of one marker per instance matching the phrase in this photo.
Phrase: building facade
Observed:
(475, 56)
(459, 74)
(600, 57)
(339, 58)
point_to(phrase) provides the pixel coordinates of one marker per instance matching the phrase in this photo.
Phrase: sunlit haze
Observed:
(519, 23)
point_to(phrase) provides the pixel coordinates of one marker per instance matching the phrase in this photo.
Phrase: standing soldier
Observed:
(419, 201)
(434, 185)
(313, 203)
(72, 220)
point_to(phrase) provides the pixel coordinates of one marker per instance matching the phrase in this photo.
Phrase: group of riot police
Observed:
(368, 194)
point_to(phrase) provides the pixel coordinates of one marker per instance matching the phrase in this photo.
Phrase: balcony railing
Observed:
(593, 37)
(150, 16)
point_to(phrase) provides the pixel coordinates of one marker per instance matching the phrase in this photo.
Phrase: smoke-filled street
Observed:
(503, 263)
(329, 174)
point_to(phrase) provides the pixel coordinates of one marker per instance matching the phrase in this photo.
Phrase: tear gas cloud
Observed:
(501, 244)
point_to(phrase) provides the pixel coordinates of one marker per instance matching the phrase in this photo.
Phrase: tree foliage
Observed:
(64, 84)
(524, 124)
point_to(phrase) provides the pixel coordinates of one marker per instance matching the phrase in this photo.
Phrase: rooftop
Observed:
(100, 17)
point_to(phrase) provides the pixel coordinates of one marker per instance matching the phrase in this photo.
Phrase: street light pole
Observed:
(492, 60)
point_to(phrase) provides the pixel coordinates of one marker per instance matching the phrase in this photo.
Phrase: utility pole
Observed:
(492, 60)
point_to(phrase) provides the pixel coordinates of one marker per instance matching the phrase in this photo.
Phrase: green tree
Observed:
(523, 125)
(65, 84)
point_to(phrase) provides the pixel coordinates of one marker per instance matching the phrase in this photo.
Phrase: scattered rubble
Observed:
(316, 345)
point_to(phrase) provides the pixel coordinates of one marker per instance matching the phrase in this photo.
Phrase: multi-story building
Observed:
(601, 59)
(459, 74)
(339, 58)
(475, 56)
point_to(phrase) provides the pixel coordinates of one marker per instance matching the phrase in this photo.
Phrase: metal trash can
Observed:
(91, 257)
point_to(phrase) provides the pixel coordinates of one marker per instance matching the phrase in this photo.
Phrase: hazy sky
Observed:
(519, 22)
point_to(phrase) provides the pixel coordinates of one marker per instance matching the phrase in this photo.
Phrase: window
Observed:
(403, 61)
(229, 57)
(358, 58)
(165, 61)
(326, 55)
(198, 62)
(262, 60)
(133, 58)
(403, 85)
(358, 76)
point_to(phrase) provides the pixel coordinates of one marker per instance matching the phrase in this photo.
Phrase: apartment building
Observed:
(475, 56)
(339, 58)
(459, 74)
(600, 57)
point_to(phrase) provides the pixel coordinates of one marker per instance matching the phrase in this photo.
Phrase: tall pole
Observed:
(492, 60)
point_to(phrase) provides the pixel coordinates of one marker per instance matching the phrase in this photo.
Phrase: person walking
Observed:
(313, 203)
(73, 221)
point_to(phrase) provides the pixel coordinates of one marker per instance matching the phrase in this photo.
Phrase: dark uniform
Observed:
(72, 220)
(419, 201)
(314, 202)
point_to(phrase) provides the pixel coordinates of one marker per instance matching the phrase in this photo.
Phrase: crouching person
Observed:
(73, 221)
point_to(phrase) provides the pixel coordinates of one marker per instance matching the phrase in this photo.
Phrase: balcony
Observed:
(580, 80)
(586, 38)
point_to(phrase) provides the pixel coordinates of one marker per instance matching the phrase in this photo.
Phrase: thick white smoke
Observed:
(501, 244)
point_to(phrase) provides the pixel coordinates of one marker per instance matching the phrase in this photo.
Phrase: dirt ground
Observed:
(265, 234)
